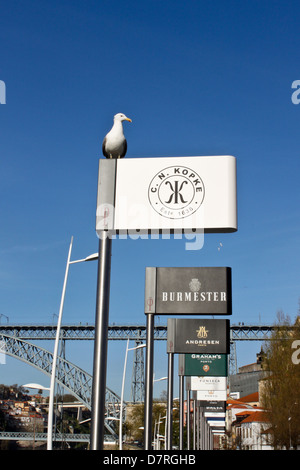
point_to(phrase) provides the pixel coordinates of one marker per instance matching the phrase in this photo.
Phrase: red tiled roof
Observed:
(242, 413)
(247, 411)
(242, 406)
(230, 401)
(237, 404)
(256, 416)
(250, 398)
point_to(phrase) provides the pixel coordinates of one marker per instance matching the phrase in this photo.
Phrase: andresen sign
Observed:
(188, 336)
(196, 291)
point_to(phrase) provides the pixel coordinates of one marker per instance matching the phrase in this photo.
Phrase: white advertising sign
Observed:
(190, 194)
(215, 395)
(206, 383)
(216, 423)
(214, 415)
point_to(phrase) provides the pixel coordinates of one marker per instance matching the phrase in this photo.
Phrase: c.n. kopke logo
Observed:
(176, 192)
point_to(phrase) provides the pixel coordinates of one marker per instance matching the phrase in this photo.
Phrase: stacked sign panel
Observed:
(188, 291)
(207, 365)
(192, 336)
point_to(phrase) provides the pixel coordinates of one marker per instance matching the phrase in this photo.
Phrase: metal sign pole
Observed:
(170, 401)
(202, 436)
(188, 419)
(149, 382)
(199, 431)
(101, 340)
(206, 432)
(194, 424)
(181, 411)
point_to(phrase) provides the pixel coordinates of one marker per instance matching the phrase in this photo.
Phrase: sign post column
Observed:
(188, 419)
(100, 346)
(150, 291)
(169, 422)
(187, 187)
(105, 203)
(181, 411)
(149, 381)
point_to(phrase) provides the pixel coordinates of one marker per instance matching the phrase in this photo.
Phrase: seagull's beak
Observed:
(127, 119)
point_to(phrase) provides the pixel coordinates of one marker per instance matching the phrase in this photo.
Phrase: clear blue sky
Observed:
(196, 78)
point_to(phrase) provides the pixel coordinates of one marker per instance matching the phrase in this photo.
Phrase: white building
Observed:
(252, 431)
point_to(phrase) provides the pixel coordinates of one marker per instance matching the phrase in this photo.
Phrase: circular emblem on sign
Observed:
(195, 285)
(206, 368)
(176, 192)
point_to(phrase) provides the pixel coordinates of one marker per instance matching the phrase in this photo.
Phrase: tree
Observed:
(135, 422)
(281, 388)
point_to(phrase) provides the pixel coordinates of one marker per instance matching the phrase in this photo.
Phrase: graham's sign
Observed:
(198, 336)
(167, 195)
(196, 291)
(210, 365)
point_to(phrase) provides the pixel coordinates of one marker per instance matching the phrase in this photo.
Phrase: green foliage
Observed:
(281, 389)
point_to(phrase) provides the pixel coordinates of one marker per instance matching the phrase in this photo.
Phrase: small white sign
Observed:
(206, 383)
(2, 92)
(189, 194)
(216, 423)
(214, 395)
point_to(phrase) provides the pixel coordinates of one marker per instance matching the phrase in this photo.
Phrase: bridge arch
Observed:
(73, 378)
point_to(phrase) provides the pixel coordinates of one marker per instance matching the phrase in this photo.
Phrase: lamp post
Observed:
(156, 433)
(2, 315)
(56, 344)
(35, 386)
(289, 420)
(159, 380)
(122, 390)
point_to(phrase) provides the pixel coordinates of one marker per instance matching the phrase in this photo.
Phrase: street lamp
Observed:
(158, 436)
(289, 420)
(55, 353)
(2, 315)
(158, 380)
(122, 391)
(35, 386)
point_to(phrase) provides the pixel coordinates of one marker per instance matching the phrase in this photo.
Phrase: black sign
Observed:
(213, 406)
(191, 291)
(198, 336)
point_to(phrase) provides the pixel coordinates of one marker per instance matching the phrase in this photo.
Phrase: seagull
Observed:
(114, 143)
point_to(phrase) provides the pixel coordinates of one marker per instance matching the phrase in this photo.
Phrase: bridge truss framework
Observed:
(16, 340)
(238, 332)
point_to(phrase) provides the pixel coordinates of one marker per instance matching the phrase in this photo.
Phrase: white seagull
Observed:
(114, 143)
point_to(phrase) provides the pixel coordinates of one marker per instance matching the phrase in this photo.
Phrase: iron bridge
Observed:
(15, 341)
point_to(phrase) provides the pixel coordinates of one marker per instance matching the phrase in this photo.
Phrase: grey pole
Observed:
(55, 356)
(194, 424)
(188, 419)
(201, 428)
(181, 411)
(149, 382)
(206, 433)
(101, 339)
(198, 427)
(206, 426)
(170, 401)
